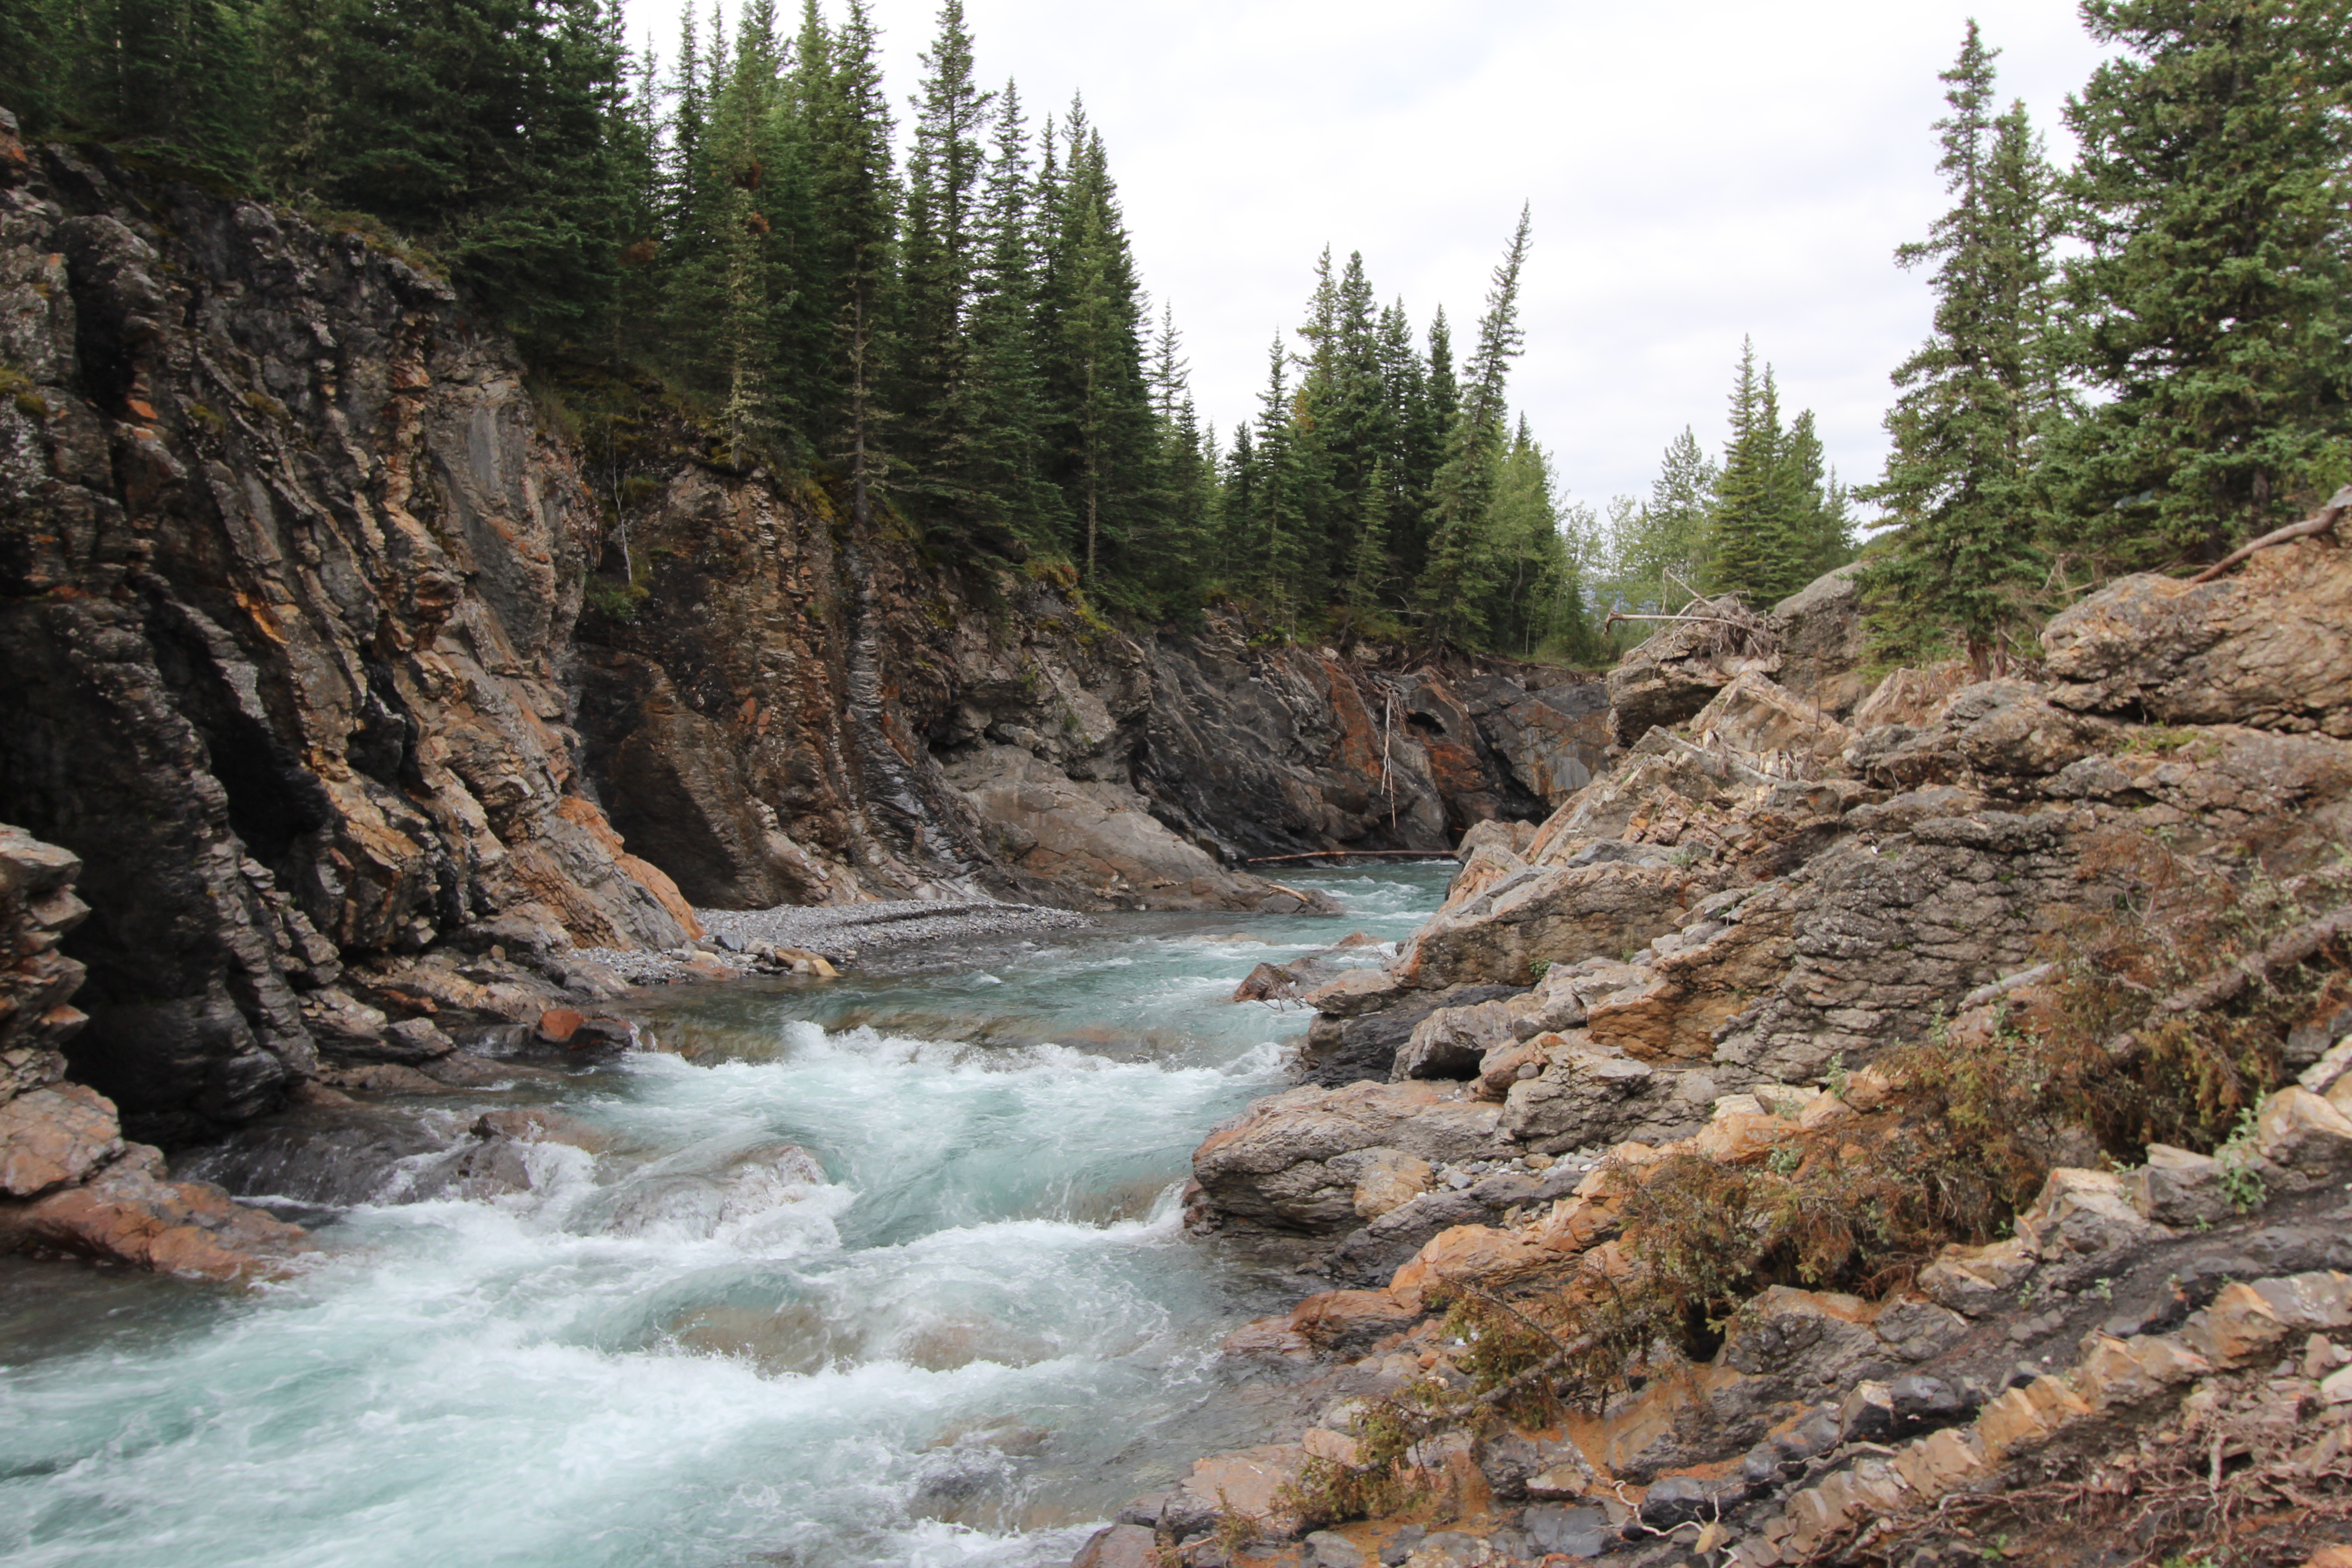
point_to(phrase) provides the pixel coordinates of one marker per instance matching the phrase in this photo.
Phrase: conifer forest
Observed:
(2136, 361)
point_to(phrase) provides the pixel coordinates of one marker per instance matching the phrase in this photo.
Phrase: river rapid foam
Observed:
(885, 1272)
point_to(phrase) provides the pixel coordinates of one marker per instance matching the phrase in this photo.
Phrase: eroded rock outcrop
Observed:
(1824, 891)
(286, 566)
(69, 1183)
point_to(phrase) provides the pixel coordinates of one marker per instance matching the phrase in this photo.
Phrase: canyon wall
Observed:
(293, 557)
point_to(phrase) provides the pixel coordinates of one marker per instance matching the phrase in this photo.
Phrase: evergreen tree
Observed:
(1534, 598)
(1099, 427)
(944, 231)
(1002, 466)
(1667, 541)
(852, 273)
(742, 156)
(1745, 527)
(1276, 544)
(480, 126)
(1423, 444)
(1771, 523)
(1461, 572)
(1960, 484)
(1179, 545)
(1367, 561)
(1815, 515)
(2213, 304)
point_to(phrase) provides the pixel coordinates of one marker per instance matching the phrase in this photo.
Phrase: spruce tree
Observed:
(1098, 429)
(1815, 516)
(942, 235)
(1367, 561)
(1274, 544)
(1959, 485)
(1535, 588)
(742, 158)
(1748, 528)
(853, 269)
(1667, 541)
(2213, 306)
(1461, 568)
(1001, 471)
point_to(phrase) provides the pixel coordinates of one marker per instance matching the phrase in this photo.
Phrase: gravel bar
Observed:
(844, 933)
(850, 931)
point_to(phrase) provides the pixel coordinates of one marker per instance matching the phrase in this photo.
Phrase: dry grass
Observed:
(1977, 1118)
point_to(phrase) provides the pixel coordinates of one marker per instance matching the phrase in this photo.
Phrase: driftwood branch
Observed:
(2319, 521)
(1716, 620)
(2216, 989)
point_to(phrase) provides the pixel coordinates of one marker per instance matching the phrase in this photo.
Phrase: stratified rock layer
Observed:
(68, 1181)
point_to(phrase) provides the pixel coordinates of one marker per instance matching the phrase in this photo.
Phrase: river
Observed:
(966, 1340)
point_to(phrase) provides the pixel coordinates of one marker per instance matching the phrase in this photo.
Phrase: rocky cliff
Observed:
(293, 559)
(1822, 1128)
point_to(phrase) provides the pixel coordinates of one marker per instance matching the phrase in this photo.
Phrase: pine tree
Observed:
(1367, 561)
(1002, 475)
(1960, 484)
(942, 236)
(1461, 572)
(1667, 541)
(851, 272)
(2213, 304)
(1765, 508)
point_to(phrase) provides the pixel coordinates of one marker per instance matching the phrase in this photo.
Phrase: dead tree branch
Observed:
(2319, 521)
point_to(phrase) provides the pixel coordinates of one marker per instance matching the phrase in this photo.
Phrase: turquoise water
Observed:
(966, 1342)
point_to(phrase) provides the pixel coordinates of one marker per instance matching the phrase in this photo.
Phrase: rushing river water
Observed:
(979, 1332)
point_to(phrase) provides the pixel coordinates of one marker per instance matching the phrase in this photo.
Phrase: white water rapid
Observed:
(962, 1333)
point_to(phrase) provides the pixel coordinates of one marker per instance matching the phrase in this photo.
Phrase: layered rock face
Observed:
(1692, 969)
(1761, 895)
(286, 567)
(789, 715)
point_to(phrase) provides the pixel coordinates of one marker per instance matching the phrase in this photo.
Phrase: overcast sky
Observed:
(1698, 169)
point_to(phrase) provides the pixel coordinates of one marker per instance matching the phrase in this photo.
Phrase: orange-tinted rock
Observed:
(1253, 1481)
(127, 1215)
(1269, 1337)
(1119, 1546)
(1332, 1320)
(1477, 1253)
(54, 1136)
(558, 1025)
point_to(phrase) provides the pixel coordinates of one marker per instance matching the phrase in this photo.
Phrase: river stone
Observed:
(1119, 1546)
(1572, 1531)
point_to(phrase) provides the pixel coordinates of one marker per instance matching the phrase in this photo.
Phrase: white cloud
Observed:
(1698, 169)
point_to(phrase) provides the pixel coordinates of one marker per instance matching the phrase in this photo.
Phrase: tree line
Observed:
(959, 338)
(2134, 364)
